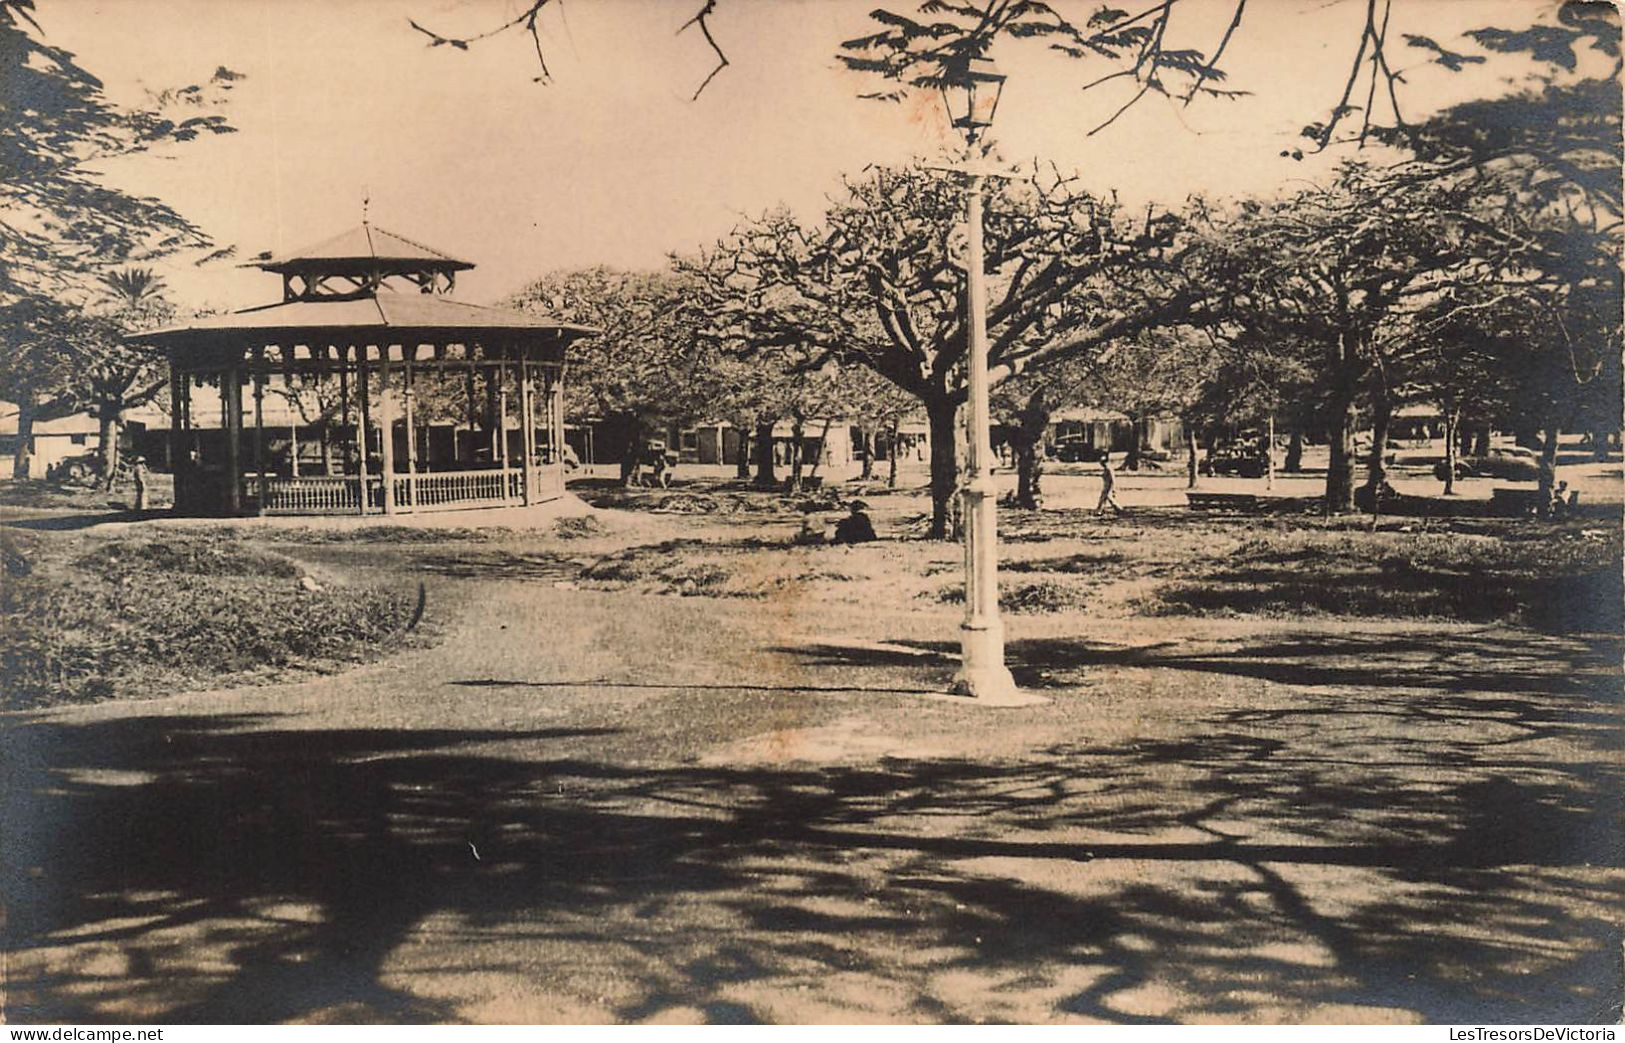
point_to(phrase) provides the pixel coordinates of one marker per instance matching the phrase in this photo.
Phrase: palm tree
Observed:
(121, 376)
(133, 287)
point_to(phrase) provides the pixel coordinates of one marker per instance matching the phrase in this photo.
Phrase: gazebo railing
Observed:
(445, 489)
(430, 491)
(314, 494)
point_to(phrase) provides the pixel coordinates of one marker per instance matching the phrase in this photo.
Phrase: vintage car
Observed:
(1078, 451)
(1513, 464)
(1243, 461)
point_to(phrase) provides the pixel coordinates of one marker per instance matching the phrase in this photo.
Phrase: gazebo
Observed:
(418, 402)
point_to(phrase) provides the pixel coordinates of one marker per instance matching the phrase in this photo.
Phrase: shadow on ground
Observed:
(1428, 829)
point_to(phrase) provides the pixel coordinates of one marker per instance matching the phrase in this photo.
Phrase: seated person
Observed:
(855, 527)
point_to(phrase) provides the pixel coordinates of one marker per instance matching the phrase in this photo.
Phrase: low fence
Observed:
(433, 491)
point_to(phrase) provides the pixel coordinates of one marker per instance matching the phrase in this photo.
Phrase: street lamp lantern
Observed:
(970, 93)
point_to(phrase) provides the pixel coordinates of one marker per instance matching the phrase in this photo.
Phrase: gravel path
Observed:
(589, 806)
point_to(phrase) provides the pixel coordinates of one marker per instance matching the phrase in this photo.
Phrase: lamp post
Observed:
(970, 91)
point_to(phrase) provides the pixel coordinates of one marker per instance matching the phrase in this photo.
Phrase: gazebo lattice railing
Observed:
(365, 357)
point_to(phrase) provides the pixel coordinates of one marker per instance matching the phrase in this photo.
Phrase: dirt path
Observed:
(590, 806)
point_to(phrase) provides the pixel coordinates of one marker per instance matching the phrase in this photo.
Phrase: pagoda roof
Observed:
(362, 247)
(388, 318)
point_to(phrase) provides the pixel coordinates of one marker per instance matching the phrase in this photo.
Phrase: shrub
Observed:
(143, 617)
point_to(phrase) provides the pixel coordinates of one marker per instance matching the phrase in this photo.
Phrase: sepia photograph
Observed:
(807, 512)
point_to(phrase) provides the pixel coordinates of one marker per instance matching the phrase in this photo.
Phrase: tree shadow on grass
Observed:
(1457, 863)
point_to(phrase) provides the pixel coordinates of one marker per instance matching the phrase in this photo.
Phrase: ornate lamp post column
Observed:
(970, 90)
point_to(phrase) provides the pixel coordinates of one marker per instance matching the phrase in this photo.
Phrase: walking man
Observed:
(1108, 487)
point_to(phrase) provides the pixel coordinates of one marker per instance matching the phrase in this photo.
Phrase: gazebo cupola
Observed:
(359, 263)
(370, 391)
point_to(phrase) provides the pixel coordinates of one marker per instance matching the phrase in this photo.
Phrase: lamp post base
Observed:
(983, 675)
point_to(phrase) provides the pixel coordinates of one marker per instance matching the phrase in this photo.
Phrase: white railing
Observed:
(313, 495)
(440, 490)
(434, 491)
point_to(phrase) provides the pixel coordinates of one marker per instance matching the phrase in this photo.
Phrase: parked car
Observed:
(76, 468)
(1078, 451)
(1243, 461)
(1513, 464)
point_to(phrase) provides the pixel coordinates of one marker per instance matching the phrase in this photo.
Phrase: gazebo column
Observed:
(343, 357)
(386, 424)
(501, 375)
(527, 440)
(555, 397)
(409, 394)
(231, 398)
(473, 405)
(261, 485)
(364, 420)
(172, 451)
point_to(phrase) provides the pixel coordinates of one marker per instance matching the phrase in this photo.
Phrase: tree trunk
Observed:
(1382, 415)
(742, 455)
(823, 450)
(765, 478)
(866, 453)
(1340, 421)
(1294, 451)
(940, 413)
(22, 460)
(891, 454)
(1548, 464)
(1025, 439)
(1452, 420)
(796, 431)
(1481, 441)
(1599, 445)
(1190, 455)
(1131, 462)
(107, 418)
(1344, 360)
(629, 454)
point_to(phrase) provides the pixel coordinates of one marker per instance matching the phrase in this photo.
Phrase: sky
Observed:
(613, 163)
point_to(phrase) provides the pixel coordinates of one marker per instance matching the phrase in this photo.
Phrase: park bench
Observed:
(1246, 502)
(1513, 501)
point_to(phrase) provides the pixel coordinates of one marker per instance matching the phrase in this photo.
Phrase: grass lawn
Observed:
(671, 767)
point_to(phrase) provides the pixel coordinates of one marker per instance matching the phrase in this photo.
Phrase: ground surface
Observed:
(666, 767)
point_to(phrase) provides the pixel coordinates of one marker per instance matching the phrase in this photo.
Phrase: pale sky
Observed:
(612, 163)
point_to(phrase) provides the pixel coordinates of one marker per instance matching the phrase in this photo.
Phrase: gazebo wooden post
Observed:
(408, 395)
(473, 407)
(344, 396)
(527, 439)
(261, 485)
(555, 397)
(386, 425)
(501, 372)
(231, 398)
(176, 402)
(363, 421)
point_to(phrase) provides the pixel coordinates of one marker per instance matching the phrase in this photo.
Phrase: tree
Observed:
(641, 366)
(59, 218)
(876, 285)
(38, 365)
(1333, 269)
(114, 377)
(64, 226)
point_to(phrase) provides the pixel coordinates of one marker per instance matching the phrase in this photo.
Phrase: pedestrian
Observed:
(138, 472)
(1108, 488)
(855, 527)
(660, 469)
